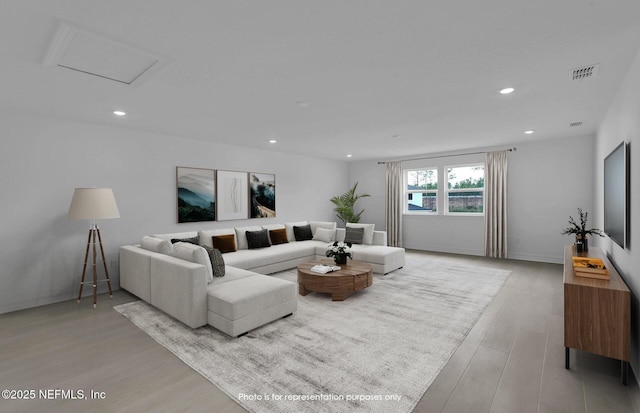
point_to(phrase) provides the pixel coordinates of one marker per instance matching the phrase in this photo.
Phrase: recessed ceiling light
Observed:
(119, 113)
(529, 132)
(507, 90)
(349, 156)
(302, 104)
(397, 136)
(272, 141)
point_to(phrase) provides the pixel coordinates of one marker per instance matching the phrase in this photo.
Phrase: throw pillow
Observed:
(367, 238)
(206, 236)
(193, 253)
(291, 237)
(302, 233)
(161, 246)
(217, 262)
(241, 236)
(278, 236)
(192, 240)
(324, 234)
(258, 239)
(321, 224)
(354, 235)
(224, 243)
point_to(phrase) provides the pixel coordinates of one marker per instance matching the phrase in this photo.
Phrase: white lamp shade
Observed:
(93, 203)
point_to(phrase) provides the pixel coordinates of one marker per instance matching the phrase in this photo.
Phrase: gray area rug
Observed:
(378, 351)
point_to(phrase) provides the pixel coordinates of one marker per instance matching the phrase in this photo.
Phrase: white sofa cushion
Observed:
(248, 295)
(321, 224)
(289, 226)
(272, 226)
(162, 246)
(205, 237)
(193, 253)
(170, 236)
(232, 274)
(241, 236)
(367, 238)
(325, 235)
(248, 259)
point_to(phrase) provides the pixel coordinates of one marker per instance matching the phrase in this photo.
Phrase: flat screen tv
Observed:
(616, 195)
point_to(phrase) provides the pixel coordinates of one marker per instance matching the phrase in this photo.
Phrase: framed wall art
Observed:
(233, 195)
(196, 194)
(262, 194)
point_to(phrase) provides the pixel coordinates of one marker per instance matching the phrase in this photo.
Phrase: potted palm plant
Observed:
(345, 204)
(580, 231)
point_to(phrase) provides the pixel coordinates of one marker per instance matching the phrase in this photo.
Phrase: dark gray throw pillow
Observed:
(217, 262)
(258, 239)
(354, 235)
(303, 233)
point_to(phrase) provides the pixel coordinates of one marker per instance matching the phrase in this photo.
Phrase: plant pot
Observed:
(340, 259)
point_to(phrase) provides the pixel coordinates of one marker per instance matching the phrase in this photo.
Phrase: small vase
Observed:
(340, 259)
(582, 244)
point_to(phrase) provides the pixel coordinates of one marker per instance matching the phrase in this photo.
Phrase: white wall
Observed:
(42, 160)
(622, 123)
(548, 180)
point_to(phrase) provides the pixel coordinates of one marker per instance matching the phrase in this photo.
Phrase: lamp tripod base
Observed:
(94, 232)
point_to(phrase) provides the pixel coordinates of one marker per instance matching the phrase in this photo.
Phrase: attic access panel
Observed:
(97, 55)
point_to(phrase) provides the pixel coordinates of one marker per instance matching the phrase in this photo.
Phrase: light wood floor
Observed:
(511, 361)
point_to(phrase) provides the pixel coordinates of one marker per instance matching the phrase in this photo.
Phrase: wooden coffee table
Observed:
(341, 284)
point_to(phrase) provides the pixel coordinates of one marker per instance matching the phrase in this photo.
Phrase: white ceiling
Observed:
(428, 71)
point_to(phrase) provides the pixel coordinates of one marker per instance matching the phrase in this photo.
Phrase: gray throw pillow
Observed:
(217, 262)
(258, 239)
(354, 235)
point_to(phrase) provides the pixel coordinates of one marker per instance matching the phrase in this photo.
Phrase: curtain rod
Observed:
(514, 149)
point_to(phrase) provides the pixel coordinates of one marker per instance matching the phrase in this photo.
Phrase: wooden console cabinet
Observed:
(597, 313)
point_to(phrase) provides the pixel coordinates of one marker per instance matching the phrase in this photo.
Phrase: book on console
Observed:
(597, 276)
(590, 265)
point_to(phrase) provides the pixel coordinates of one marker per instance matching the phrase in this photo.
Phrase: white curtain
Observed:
(393, 203)
(495, 221)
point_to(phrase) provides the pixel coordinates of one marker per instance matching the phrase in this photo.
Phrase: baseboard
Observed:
(440, 248)
(537, 258)
(480, 253)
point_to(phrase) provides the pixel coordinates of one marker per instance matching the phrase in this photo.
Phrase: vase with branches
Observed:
(580, 231)
(345, 205)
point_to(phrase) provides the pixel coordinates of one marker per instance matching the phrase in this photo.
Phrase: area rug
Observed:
(377, 351)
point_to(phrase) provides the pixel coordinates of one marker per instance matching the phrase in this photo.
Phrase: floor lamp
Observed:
(93, 204)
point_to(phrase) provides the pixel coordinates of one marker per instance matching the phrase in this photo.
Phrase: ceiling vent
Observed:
(586, 72)
(97, 55)
(575, 124)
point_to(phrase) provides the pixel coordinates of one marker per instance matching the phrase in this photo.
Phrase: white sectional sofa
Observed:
(178, 278)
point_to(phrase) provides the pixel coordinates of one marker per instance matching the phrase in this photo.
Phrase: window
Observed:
(465, 189)
(421, 190)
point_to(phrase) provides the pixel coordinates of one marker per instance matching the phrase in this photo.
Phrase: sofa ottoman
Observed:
(249, 302)
(383, 259)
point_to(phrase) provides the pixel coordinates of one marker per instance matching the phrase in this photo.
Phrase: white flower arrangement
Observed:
(339, 248)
